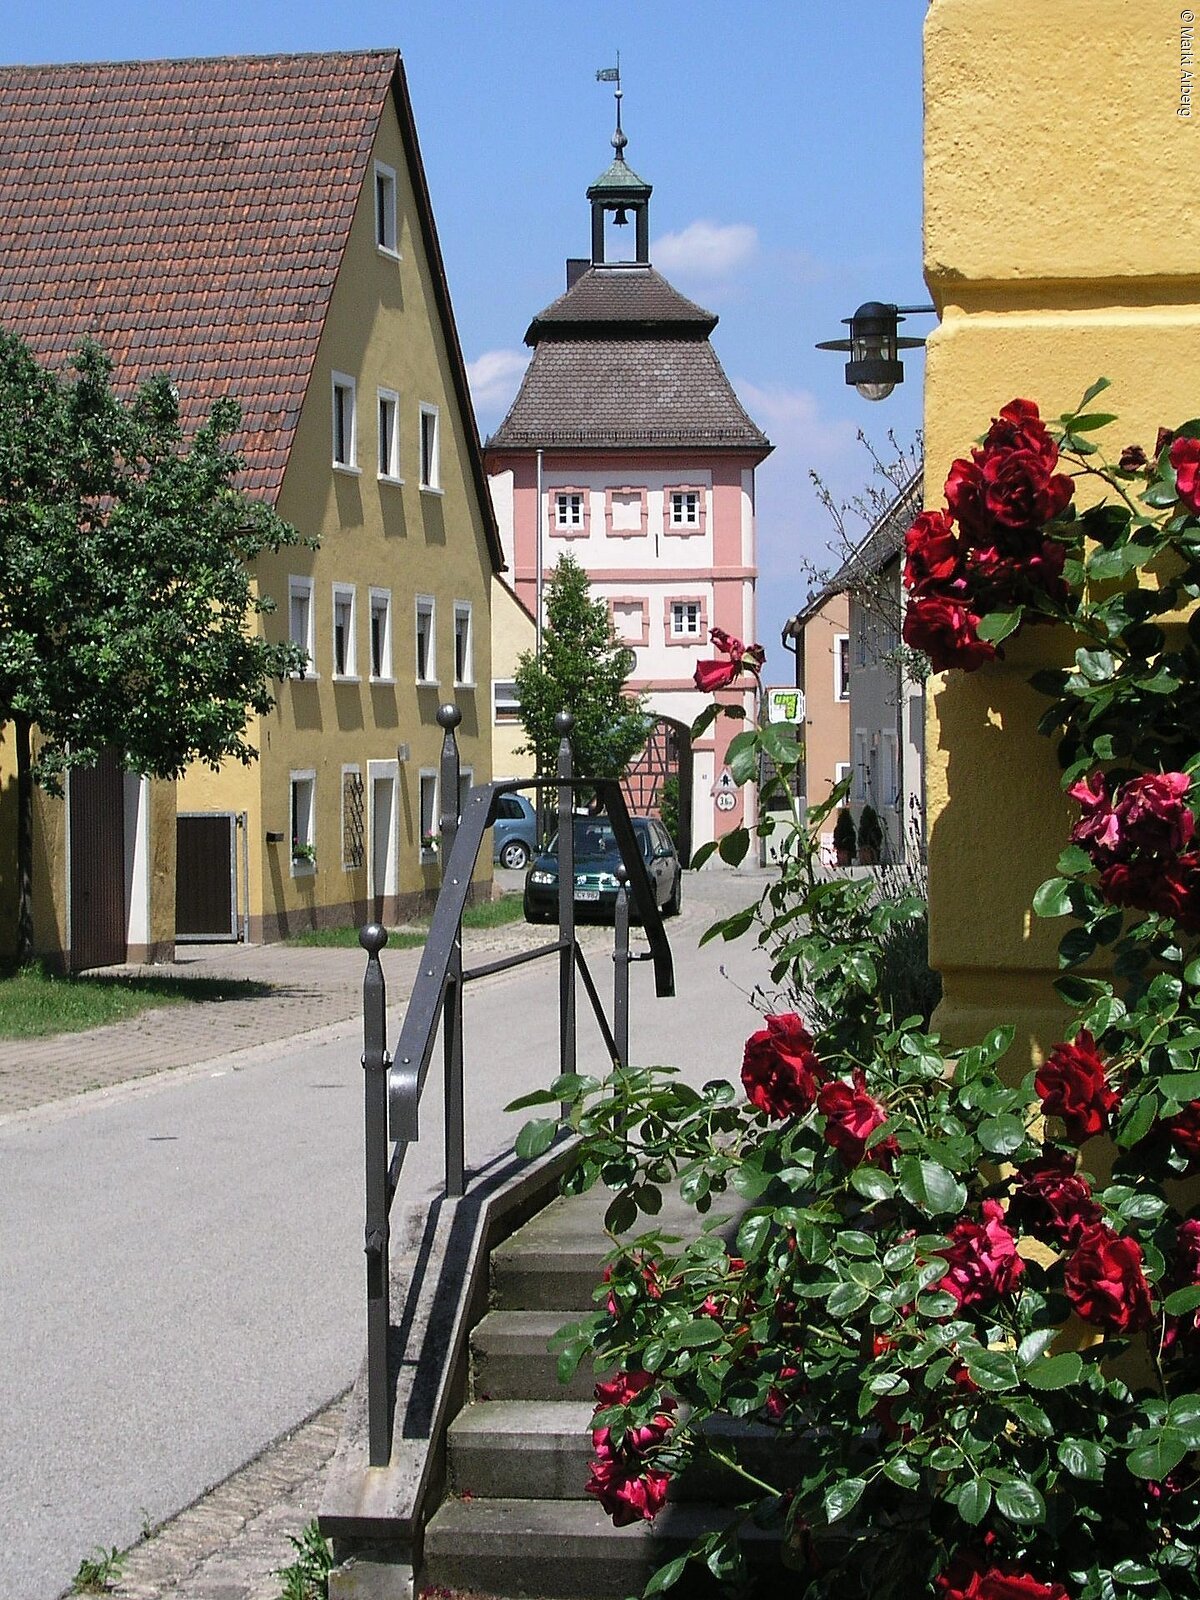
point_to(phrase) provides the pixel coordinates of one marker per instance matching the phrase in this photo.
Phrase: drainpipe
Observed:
(540, 518)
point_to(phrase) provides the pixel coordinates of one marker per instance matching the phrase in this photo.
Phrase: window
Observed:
(841, 666)
(841, 771)
(304, 837)
(300, 620)
(685, 619)
(506, 707)
(426, 662)
(344, 663)
(684, 509)
(889, 760)
(385, 208)
(862, 766)
(345, 441)
(428, 841)
(389, 435)
(353, 819)
(463, 667)
(860, 639)
(381, 633)
(431, 475)
(570, 513)
(625, 512)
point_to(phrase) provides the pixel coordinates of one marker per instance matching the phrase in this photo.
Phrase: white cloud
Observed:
(792, 420)
(706, 249)
(494, 377)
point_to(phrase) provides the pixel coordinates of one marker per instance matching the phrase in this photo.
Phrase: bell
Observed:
(619, 217)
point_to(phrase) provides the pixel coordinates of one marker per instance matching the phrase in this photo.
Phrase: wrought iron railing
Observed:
(394, 1082)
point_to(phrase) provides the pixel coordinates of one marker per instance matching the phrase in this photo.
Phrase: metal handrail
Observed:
(394, 1083)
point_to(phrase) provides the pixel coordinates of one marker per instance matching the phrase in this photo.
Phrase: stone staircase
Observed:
(516, 1521)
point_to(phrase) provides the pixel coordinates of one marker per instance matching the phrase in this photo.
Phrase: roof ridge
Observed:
(382, 51)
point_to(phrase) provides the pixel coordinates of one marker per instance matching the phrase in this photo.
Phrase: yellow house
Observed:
(261, 227)
(514, 631)
(1062, 243)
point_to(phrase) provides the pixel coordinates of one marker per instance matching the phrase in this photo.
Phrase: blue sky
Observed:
(782, 137)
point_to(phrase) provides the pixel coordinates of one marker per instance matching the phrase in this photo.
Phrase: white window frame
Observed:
(303, 588)
(462, 613)
(692, 634)
(389, 772)
(841, 771)
(345, 594)
(343, 384)
(568, 527)
(841, 667)
(424, 605)
(466, 782)
(430, 461)
(352, 769)
(387, 422)
(889, 748)
(303, 868)
(387, 222)
(427, 784)
(380, 600)
(684, 523)
(508, 704)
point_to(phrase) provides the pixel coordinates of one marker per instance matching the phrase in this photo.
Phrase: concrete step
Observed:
(540, 1450)
(561, 1547)
(510, 1359)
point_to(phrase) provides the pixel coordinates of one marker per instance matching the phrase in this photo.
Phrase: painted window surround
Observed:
(560, 530)
(632, 491)
(631, 600)
(685, 530)
(685, 639)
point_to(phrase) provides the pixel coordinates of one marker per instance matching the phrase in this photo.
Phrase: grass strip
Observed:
(36, 1003)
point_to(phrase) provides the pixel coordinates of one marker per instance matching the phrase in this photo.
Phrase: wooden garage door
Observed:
(97, 819)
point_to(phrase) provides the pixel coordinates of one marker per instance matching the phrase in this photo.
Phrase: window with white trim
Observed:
(304, 823)
(841, 771)
(381, 634)
(890, 762)
(300, 620)
(464, 671)
(506, 704)
(431, 470)
(344, 665)
(685, 619)
(345, 424)
(569, 510)
(684, 508)
(428, 841)
(841, 666)
(385, 209)
(426, 659)
(389, 435)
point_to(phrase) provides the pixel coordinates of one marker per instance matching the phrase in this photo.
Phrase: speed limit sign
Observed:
(726, 801)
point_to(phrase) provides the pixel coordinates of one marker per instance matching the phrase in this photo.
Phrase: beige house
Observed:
(261, 227)
(820, 635)
(514, 631)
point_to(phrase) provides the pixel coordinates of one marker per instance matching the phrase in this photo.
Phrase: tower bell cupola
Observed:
(619, 190)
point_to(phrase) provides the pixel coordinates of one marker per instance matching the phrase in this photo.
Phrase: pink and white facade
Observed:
(646, 462)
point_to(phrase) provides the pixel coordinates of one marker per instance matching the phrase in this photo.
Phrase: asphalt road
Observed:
(181, 1259)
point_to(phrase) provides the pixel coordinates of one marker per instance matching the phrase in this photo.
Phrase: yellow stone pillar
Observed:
(1062, 243)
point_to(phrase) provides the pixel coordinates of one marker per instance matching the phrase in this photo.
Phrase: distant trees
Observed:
(127, 601)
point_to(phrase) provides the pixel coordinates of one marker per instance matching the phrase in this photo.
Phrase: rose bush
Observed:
(967, 1301)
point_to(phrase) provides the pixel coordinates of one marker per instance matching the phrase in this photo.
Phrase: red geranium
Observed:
(851, 1116)
(947, 631)
(1105, 1283)
(982, 1261)
(968, 1579)
(780, 1067)
(1185, 458)
(1052, 1202)
(1072, 1085)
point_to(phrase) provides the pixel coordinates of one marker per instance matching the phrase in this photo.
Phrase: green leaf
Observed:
(1183, 1086)
(1053, 1372)
(694, 1335)
(1076, 947)
(1156, 1452)
(1082, 1458)
(974, 1500)
(846, 1299)
(998, 625)
(734, 845)
(1053, 898)
(902, 1473)
(1002, 1135)
(742, 756)
(872, 1184)
(842, 1498)
(928, 1186)
(1094, 420)
(1181, 1301)
(1089, 394)
(992, 1369)
(1019, 1501)
(667, 1576)
(753, 1235)
(539, 1097)
(536, 1137)
(1074, 860)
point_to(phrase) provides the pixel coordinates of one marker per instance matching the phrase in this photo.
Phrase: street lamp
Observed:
(874, 367)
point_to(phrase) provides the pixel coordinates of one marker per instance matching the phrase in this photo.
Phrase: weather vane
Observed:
(613, 75)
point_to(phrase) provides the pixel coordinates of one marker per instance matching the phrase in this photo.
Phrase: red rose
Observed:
(1105, 1283)
(1052, 1202)
(1008, 488)
(710, 675)
(969, 1579)
(780, 1067)
(851, 1116)
(652, 1281)
(932, 553)
(999, 582)
(1020, 427)
(1185, 458)
(964, 496)
(627, 1488)
(1072, 1085)
(1019, 494)
(1167, 887)
(1152, 815)
(946, 631)
(1097, 830)
(1133, 458)
(1185, 1330)
(1184, 1131)
(982, 1261)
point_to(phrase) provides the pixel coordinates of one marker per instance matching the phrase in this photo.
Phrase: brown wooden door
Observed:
(206, 875)
(97, 821)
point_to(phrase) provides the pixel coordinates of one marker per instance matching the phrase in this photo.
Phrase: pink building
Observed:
(645, 460)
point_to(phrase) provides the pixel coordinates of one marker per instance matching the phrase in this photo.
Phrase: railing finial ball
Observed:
(622, 874)
(373, 937)
(563, 723)
(448, 716)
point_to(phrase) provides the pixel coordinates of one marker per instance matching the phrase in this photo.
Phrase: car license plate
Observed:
(587, 894)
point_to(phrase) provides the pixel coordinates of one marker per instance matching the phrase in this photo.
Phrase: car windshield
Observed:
(594, 837)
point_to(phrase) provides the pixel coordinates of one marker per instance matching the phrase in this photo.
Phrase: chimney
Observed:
(576, 267)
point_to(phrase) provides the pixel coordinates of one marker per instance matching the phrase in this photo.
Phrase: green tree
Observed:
(127, 600)
(583, 669)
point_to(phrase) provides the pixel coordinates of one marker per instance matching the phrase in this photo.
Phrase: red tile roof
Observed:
(191, 216)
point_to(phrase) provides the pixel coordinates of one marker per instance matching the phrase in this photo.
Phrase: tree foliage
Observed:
(583, 669)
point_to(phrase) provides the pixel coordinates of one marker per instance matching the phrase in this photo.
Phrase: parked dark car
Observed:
(514, 832)
(596, 861)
